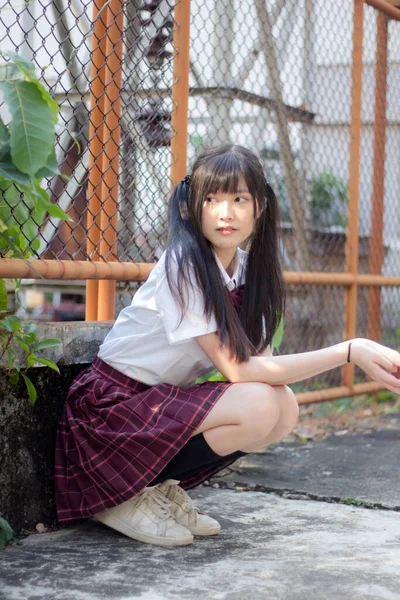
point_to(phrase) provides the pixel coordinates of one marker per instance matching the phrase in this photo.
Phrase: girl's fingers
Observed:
(386, 364)
(388, 353)
(387, 379)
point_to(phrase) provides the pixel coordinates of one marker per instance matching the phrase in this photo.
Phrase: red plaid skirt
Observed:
(117, 434)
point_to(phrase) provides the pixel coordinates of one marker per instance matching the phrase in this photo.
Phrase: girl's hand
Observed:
(382, 364)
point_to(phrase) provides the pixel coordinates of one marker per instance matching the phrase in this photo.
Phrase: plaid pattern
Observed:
(117, 434)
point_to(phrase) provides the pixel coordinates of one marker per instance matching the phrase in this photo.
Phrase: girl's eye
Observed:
(240, 199)
(210, 199)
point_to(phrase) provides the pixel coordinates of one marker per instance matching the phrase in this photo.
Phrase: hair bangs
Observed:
(221, 174)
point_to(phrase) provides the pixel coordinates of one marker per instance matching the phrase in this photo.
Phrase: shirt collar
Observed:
(230, 282)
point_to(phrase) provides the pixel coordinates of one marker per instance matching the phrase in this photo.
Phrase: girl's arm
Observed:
(379, 362)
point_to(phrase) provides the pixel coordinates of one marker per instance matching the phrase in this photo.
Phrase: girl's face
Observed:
(228, 219)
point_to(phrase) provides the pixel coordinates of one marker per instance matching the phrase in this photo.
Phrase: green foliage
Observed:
(215, 375)
(7, 535)
(335, 407)
(27, 154)
(329, 198)
(12, 329)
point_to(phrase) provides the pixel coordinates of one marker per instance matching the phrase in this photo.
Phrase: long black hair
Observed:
(263, 301)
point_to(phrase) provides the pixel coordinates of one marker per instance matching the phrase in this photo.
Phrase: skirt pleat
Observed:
(117, 434)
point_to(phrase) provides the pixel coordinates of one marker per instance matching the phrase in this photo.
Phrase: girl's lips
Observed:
(226, 230)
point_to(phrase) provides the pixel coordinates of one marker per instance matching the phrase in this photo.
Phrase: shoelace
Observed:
(187, 499)
(161, 504)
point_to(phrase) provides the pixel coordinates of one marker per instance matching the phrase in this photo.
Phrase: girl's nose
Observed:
(226, 210)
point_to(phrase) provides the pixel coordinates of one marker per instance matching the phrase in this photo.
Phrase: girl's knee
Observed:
(261, 408)
(289, 407)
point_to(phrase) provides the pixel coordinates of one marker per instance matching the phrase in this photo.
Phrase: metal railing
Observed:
(162, 80)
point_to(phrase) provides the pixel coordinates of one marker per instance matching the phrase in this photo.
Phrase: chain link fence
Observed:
(274, 76)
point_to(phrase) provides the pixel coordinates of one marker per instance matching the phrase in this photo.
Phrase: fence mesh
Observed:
(273, 76)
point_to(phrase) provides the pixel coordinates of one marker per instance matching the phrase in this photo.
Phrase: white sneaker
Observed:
(184, 511)
(147, 518)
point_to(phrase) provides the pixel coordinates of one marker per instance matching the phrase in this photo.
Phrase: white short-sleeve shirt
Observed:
(149, 343)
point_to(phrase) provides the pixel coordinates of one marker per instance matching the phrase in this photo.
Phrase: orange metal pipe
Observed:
(387, 9)
(378, 185)
(96, 124)
(370, 387)
(11, 268)
(180, 91)
(342, 279)
(111, 140)
(350, 316)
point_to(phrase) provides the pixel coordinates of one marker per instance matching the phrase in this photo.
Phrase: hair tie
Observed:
(186, 179)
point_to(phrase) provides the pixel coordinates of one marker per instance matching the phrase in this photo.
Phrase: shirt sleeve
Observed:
(194, 322)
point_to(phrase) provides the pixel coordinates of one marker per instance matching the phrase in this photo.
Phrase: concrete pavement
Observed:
(314, 521)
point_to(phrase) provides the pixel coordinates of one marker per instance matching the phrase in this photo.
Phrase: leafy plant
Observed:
(27, 155)
(7, 535)
(329, 198)
(23, 334)
(215, 375)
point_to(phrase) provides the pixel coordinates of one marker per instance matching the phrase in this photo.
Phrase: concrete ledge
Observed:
(27, 432)
(80, 341)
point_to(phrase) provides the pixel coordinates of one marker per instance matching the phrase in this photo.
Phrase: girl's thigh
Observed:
(243, 402)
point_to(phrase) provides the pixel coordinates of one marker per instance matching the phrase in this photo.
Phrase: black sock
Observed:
(194, 456)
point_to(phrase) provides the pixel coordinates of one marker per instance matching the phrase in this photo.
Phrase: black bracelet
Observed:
(348, 354)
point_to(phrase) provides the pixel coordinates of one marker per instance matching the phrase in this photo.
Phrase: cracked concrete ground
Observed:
(315, 521)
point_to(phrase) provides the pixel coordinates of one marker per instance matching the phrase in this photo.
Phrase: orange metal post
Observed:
(180, 90)
(378, 186)
(112, 131)
(350, 316)
(96, 118)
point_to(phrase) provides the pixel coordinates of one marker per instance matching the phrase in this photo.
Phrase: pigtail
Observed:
(263, 304)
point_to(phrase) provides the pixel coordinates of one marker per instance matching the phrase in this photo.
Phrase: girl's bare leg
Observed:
(287, 420)
(247, 415)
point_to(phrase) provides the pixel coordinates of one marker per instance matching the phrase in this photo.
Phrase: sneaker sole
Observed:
(204, 531)
(122, 527)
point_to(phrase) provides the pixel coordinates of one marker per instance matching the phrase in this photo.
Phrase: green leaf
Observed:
(278, 336)
(11, 356)
(31, 388)
(43, 201)
(30, 328)
(23, 64)
(10, 72)
(27, 70)
(32, 125)
(21, 209)
(48, 363)
(17, 286)
(51, 167)
(9, 171)
(30, 361)
(6, 533)
(49, 343)
(14, 377)
(23, 345)
(29, 338)
(5, 150)
(12, 324)
(3, 295)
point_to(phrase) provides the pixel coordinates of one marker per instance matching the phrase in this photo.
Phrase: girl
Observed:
(135, 424)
